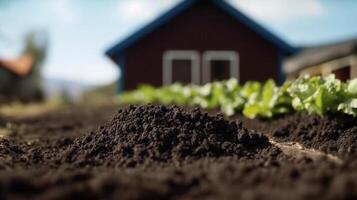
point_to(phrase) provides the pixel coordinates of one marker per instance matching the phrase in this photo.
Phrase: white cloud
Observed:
(269, 10)
(135, 10)
(280, 10)
(141, 10)
(64, 11)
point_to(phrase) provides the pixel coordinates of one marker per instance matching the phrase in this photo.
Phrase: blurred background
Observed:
(51, 48)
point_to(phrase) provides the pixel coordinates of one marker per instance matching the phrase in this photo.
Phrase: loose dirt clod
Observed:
(297, 150)
(144, 134)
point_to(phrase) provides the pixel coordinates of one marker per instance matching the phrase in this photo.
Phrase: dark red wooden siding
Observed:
(202, 27)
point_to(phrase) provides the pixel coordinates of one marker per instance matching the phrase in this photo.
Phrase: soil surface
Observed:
(334, 134)
(158, 152)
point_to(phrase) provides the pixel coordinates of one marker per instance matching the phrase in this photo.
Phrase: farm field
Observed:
(168, 152)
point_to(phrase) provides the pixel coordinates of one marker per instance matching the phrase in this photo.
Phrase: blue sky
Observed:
(81, 30)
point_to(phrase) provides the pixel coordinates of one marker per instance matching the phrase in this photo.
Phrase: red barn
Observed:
(199, 41)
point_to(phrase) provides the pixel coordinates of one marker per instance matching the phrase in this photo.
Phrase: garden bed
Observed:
(158, 152)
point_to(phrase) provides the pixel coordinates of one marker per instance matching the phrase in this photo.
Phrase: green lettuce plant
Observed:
(268, 101)
(312, 94)
(349, 103)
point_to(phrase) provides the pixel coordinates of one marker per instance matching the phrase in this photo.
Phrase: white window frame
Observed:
(209, 56)
(171, 55)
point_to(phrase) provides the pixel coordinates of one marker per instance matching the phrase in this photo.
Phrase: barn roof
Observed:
(310, 56)
(186, 4)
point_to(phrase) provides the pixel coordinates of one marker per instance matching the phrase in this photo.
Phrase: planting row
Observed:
(312, 94)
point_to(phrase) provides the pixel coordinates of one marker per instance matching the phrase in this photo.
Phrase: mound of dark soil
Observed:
(156, 152)
(332, 134)
(142, 134)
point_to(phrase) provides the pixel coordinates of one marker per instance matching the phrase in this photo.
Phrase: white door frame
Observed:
(230, 56)
(171, 55)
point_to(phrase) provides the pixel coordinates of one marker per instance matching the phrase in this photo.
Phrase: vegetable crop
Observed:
(311, 94)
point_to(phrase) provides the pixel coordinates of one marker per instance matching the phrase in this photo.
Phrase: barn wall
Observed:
(202, 27)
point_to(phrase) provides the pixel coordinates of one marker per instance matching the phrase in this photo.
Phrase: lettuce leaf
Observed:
(268, 101)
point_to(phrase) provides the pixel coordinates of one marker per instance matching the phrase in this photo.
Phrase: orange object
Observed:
(21, 66)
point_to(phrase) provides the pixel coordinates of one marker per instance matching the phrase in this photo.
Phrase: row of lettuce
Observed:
(315, 95)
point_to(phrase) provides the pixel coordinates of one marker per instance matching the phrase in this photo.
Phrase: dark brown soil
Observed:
(144, 134)
(332, 134)
(69, 121)
(157, 152)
